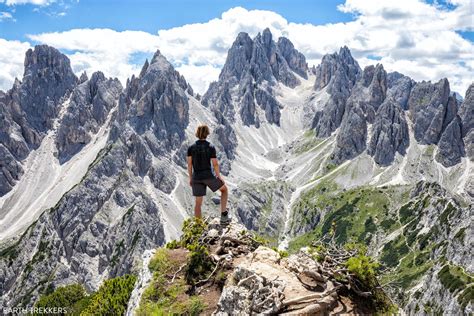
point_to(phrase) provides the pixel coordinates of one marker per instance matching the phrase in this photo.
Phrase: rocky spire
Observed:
(366, 96)
(89, 107)
(450, 145)
(30, 107)
(466, 113)
(249, 64)
(390, 133)
(296, 60)
(83, 77)
(428, 104)
(337, 73)
(47, 79)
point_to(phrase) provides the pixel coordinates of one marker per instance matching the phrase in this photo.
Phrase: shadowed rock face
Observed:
(389, 134)
(48, 77)
(451, 146)
(366, 97)
(296, 61)
(466, 113)
(28, 110)
(435, 121)
(399, 87)
(428, 104)
(337, 73)
(87, 111)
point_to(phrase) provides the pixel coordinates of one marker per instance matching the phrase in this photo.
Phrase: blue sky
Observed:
(425, 39)
(151, 16)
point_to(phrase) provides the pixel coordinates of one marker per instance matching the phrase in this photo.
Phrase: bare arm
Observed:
(190, 169)
(215, 164)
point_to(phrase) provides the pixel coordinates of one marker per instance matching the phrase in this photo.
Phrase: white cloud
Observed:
(12, 54)
(35, 2)
(6, 16)
(409, 36)
(102, 49)
(199, 76)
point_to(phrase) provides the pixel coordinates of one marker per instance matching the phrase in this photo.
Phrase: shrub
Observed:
(73, 298)
(364, 268)
(112, 297)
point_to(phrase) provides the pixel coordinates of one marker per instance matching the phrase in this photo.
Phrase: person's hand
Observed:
(190, 181)
(221, 178)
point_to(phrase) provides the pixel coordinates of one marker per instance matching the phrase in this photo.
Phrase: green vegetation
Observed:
(119, 248)
(302, 241)
(199, 265)
(355, 215)
(364, 268)
(163, 297)
(460, 235)
(73, 298)
(193, 229)
(409, 269)
(466, 296)
(111, 298)
(454, 278)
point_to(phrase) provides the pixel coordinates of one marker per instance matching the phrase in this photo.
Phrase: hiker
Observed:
(200, 156)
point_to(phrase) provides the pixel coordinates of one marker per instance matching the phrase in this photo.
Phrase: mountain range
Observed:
(92, 173)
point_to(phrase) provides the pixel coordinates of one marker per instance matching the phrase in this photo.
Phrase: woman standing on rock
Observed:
(200, 156)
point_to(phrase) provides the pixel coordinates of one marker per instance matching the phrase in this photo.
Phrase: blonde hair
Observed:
(202, 131)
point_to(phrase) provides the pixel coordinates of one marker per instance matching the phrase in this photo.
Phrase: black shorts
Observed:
(199, 186)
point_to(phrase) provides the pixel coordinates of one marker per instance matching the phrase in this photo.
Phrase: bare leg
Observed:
(197, 206)
(224, 197)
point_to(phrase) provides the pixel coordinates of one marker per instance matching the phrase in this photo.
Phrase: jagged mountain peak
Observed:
(341, 67)
(46, 57)
(83, 78)
(254, 67)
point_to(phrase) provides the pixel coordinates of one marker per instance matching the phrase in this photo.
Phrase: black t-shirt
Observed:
(202, 151)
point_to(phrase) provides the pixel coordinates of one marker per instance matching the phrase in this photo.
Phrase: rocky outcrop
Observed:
(155, 106)
(366, 97)
(399, 88)
(47, 79)
(245, 89)
(87, 111)
(435, 121)
(261, 207)
(352, 137)
(466, 112)
(237, 274)
(27, 111)
(389, 133)
(428, 105)
(451, 145)
(337, 74)
(296, 61)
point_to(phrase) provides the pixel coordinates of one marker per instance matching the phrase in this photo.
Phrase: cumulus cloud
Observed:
(11, 61)
(6, 16)
(102, 49)
(409, 36)
(35, 2)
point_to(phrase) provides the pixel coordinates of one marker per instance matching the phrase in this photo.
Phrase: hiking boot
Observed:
(225, 218)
